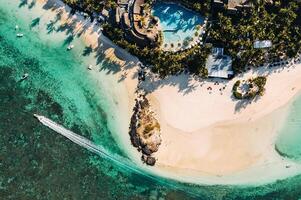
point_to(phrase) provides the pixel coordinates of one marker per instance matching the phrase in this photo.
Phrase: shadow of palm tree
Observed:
(32, 4)
(88, 50)
(242, 104)
(99, 56)
(49, 5)
(68, 40)
(50, 27)
(184, 82)
(58, 16)
(35, 22)
(62, 28)
(23, 3)
(105, 64)
(71, 27)
(79, 33)
(109, 67)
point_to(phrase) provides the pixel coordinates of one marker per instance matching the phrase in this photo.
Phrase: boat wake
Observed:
(283, 167)
(120, 161)
(84, 142)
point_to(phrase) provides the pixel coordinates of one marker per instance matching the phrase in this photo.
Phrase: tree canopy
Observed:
(278, 22)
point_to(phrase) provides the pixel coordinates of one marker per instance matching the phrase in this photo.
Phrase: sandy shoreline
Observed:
(92, 36)
(207, 138)
(205, 135)
(122, 66)
(200, 128)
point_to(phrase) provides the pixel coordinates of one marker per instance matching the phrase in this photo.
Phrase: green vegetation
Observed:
(91, 6)
(260, 82)
(279, 22)
(201, 6)
(236, 94)
(163, 63)
(253, 87)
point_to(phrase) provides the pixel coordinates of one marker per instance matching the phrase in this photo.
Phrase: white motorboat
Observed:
(70, 47)
(24, 76)
(90, 67)
(20, 34)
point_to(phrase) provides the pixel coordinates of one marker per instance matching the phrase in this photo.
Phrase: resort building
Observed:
(219, 65)
(237, 5)
(139, 25)
(261, 44)
(123, 3)
(105, 14)
(117, 15)
(232, 6)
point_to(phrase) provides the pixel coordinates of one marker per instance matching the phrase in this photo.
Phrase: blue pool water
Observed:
(177, 18)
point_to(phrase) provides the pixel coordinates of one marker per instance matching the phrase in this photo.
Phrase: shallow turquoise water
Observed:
(36, 163)
(289, 140)
(55, 72)
(181, 21)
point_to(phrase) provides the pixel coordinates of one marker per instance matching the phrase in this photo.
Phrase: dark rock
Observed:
(143, 158)
(144, 103)
(141, 103)
(150, 161)
(146, 151)
(134, 138)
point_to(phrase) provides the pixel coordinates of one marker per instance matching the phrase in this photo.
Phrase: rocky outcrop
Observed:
(149, 160)
(145, 130)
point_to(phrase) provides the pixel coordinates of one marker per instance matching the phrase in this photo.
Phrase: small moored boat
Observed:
(90, 67)
(70, 47)
(24, 76)
(20, 34)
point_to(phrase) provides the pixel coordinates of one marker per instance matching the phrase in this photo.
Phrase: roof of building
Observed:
(216, 51)
(117, 15)
(137, 6)
(105, 12)
(126, 20)
(235, 3)
(219, 65)
(124, 2)
(260, 44)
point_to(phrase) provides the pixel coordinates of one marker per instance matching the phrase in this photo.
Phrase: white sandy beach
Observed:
(209, 135)
(214, 133)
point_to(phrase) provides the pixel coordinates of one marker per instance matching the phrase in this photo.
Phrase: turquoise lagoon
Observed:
(177, 22)
(37, 163)
(288, 142)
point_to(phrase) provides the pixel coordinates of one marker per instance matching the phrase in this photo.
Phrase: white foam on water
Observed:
(89, 145)
(84, 142)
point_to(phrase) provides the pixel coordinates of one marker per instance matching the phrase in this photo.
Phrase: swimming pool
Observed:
(177, 23)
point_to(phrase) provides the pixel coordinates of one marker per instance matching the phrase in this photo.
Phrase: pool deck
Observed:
(144, 29)
(182, 44)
